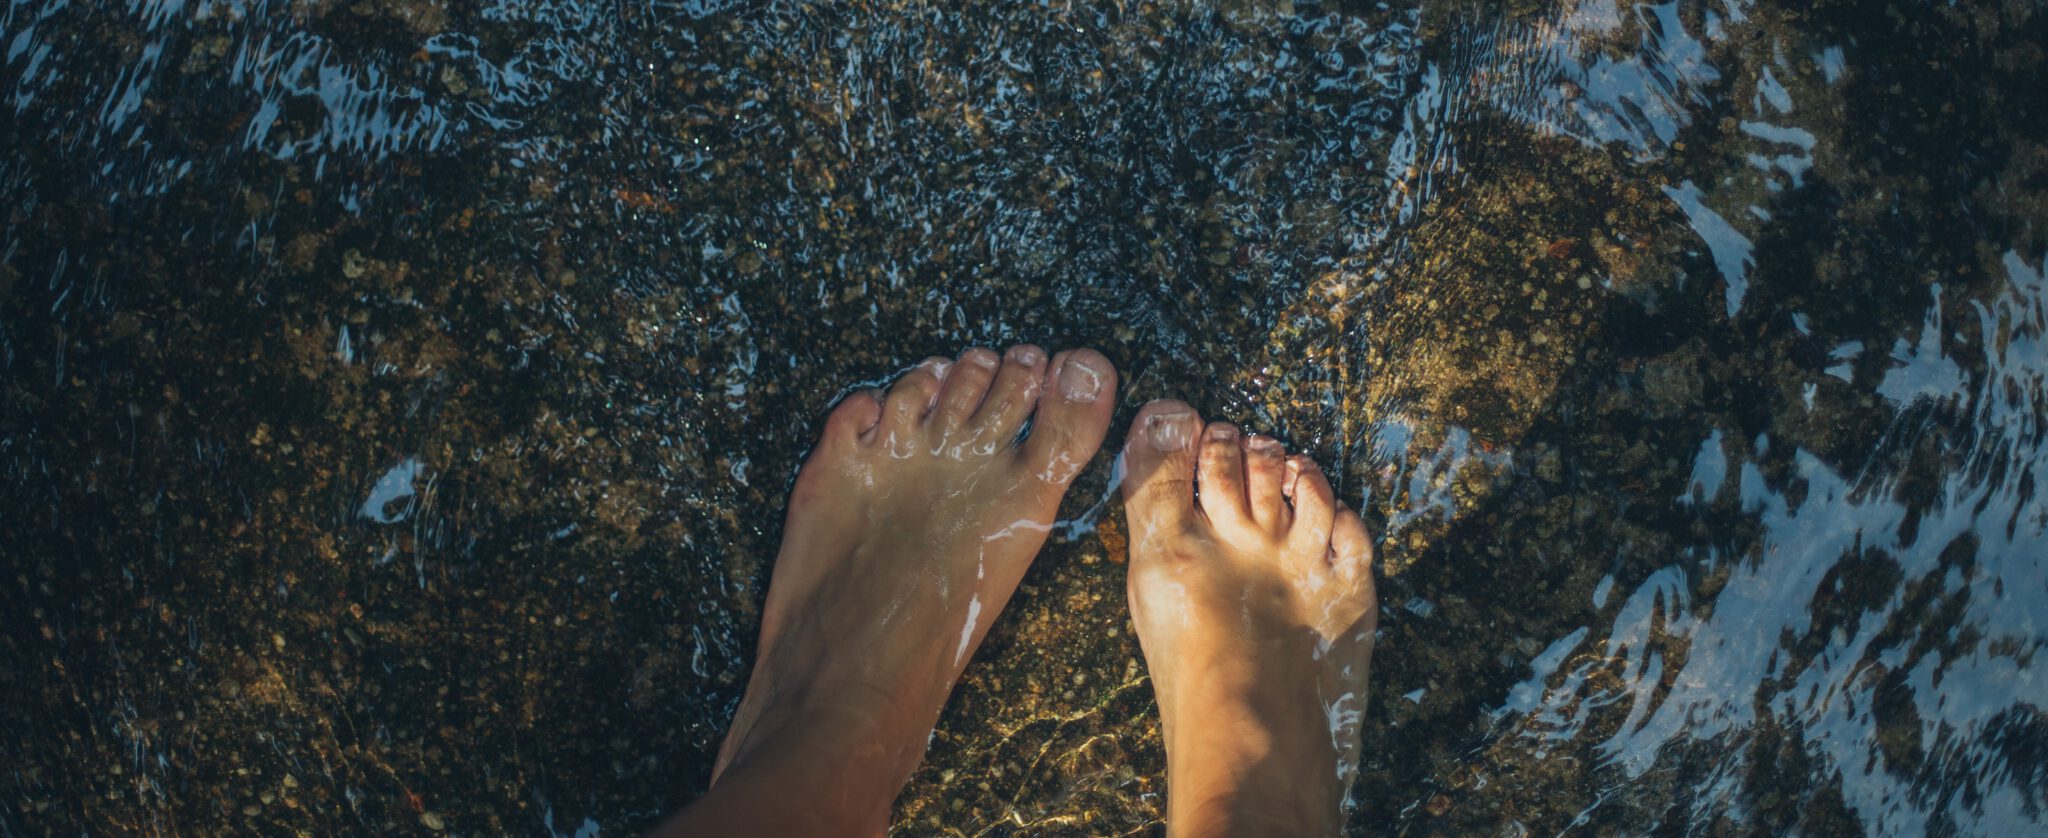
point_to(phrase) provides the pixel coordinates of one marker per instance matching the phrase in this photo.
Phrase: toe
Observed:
(910, 398)
(1222, 489)
(965, 385)
(1351, 551)
(855, 416)
(1315, 507)
(1159, 472)
(1010, 399)
(1072, 416)
(1265, 462)
(1356, 610)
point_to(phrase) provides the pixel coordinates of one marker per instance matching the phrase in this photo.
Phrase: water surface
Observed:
(400, 396)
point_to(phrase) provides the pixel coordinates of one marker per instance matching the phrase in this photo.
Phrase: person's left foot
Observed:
(909, 527)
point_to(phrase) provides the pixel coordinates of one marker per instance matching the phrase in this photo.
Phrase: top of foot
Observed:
(909, 527)
(1252, 593)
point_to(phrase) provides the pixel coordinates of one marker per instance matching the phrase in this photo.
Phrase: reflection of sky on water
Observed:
(1980, 548)
(396, 485)
(1968, 609)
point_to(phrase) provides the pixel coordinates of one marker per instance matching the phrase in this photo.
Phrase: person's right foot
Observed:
(1252, 592)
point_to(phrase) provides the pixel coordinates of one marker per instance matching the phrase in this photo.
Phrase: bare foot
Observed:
(909, 528)
(1252, 592)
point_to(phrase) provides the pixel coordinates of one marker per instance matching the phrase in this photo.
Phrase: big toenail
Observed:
(1081, 382)
(1026, 355)
(1170, 432)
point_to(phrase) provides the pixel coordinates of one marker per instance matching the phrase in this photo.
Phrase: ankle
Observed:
(1252, 757)
(1273, 795)
(1249, 813)
(834, 722)
(850, 762)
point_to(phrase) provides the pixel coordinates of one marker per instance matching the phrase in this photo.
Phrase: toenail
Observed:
(985, 360)
(1026, 355)
(1262, 444)
(1081, 382)
(939, 369)
(1170, 432)
(1221, 432)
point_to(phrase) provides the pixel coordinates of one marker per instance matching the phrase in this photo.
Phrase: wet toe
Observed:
(1356, 609)
(1159, 470)
(966, 384)
(1351, 548)
(1221, 489)
(913, 394)
(1265, 463)
(1315, 507)
(855, 416)
(1072, 416)
(1010, 399)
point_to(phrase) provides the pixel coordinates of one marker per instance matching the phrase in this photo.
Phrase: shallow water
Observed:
(400, 397)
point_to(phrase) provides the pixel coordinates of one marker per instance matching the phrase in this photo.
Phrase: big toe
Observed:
(1159, 469)
(1072, 415)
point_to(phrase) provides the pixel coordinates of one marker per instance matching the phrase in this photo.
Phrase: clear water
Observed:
(400, 396)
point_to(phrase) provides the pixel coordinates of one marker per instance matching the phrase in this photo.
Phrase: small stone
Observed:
(432, 821)
(353, 265)
(452, 79)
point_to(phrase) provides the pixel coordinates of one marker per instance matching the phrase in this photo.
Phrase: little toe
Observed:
(1222, 489)
(1315, 507)
(1159, 472)
(1265, 463)
(966, 384)
(1355, 610)
(1351, 552)
(1071, 416)
(1012, 396)
(910, 398)
(854, 418)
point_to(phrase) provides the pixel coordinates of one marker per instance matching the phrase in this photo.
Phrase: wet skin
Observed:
(1252, 592)
(909, 528)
